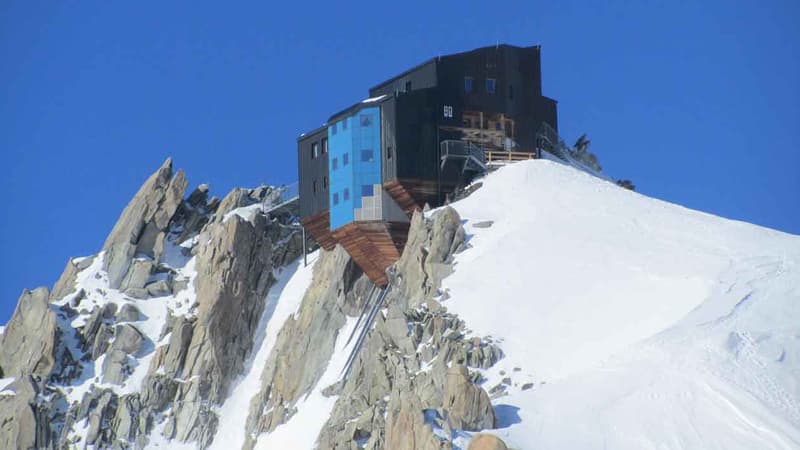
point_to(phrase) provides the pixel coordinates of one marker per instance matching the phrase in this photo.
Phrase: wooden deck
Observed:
(319, 226)
(373, 245)
(504, 157)
(412, 194)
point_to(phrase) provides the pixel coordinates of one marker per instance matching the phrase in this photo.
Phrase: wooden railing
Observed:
(502, 157)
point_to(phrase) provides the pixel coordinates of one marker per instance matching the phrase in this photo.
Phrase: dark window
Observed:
(366, 120)
(324, 145)
(344, 123)
(346, 194)
(468, 84)
(314, 150)
(366, 190)
(510, 92)
(335, 164)
(325, 183)
(491, 84)
(345, 159)
(408, 86)
(333, 128)
(336, 198)
(366, 155)
(389, 152)
(314, 186)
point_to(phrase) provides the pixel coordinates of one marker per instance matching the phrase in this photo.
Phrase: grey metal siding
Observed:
(421, 77)
(311, 170)
(388, 141)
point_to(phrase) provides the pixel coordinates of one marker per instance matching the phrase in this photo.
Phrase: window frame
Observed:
(364, 188)
(471, 84)
(493, 83)
(367, 152)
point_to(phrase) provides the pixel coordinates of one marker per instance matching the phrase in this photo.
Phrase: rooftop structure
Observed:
(417, 138)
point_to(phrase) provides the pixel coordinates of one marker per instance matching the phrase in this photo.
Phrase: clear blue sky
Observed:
(697, 104)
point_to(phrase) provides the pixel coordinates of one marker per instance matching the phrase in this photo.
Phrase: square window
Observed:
(491, 85)
(336, 198)
(468, 85)
(324, 145)
(346, 194)
(366, 120)
(314, 186)
(389, 152)
(334, 163)
(366, 190)
(408, 86)
(325, 183)
(345, 159)
(367, 155)
(314, 150)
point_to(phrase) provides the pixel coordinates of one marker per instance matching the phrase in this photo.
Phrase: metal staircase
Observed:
(364, 324)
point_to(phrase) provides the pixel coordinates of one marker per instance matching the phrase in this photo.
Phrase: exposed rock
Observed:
(159, 288)
(486, 442)
(128, 313)
(66, 283)
(406, 428)
(28, 344)
(199, 196)
(138, 274)
(147, 215)
(468, 406)
(305, 343)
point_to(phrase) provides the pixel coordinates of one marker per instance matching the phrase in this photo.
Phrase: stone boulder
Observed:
(486, 442)
(28, 345)
(468, 406)
(406, 428)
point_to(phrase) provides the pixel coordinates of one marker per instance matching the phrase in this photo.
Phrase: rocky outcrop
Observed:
(486, 442)
(141, 228)
(306, 341)
(412, 374)
(29, 344)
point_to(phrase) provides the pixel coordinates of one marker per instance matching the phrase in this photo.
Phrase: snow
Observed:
(642, 324)
(245, 212)
(154, 314)
(303, 428)
(374, 99)
(282, 301)
(4, 383)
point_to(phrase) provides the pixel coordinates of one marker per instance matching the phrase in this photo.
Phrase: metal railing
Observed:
(278, 196)
(465, 151)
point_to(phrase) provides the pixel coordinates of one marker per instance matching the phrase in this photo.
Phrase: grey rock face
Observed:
(426, 259)
(304, 344)
(28, 345)
(66, 283)
(468, 406)
(406, 357)
(142, 222)
(486, 442)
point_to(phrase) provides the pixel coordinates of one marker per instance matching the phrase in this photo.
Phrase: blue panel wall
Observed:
(353, 161)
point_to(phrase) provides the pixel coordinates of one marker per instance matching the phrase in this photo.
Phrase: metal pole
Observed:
(305, 252)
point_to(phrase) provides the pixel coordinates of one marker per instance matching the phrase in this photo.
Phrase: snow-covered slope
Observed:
(642, 324)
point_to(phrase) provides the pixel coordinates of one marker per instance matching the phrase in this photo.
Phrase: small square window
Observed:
(314, 150)
(345, 159)
(336, 198)
(367, 155)
(491, 85)
(324, 145)
(346, 194)
(366, 190)
(468, 85)
(366, 120)
(389, 152)
(344, 123)
(334, 163)
(408, 86)
(325, 183)
(314, 186)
